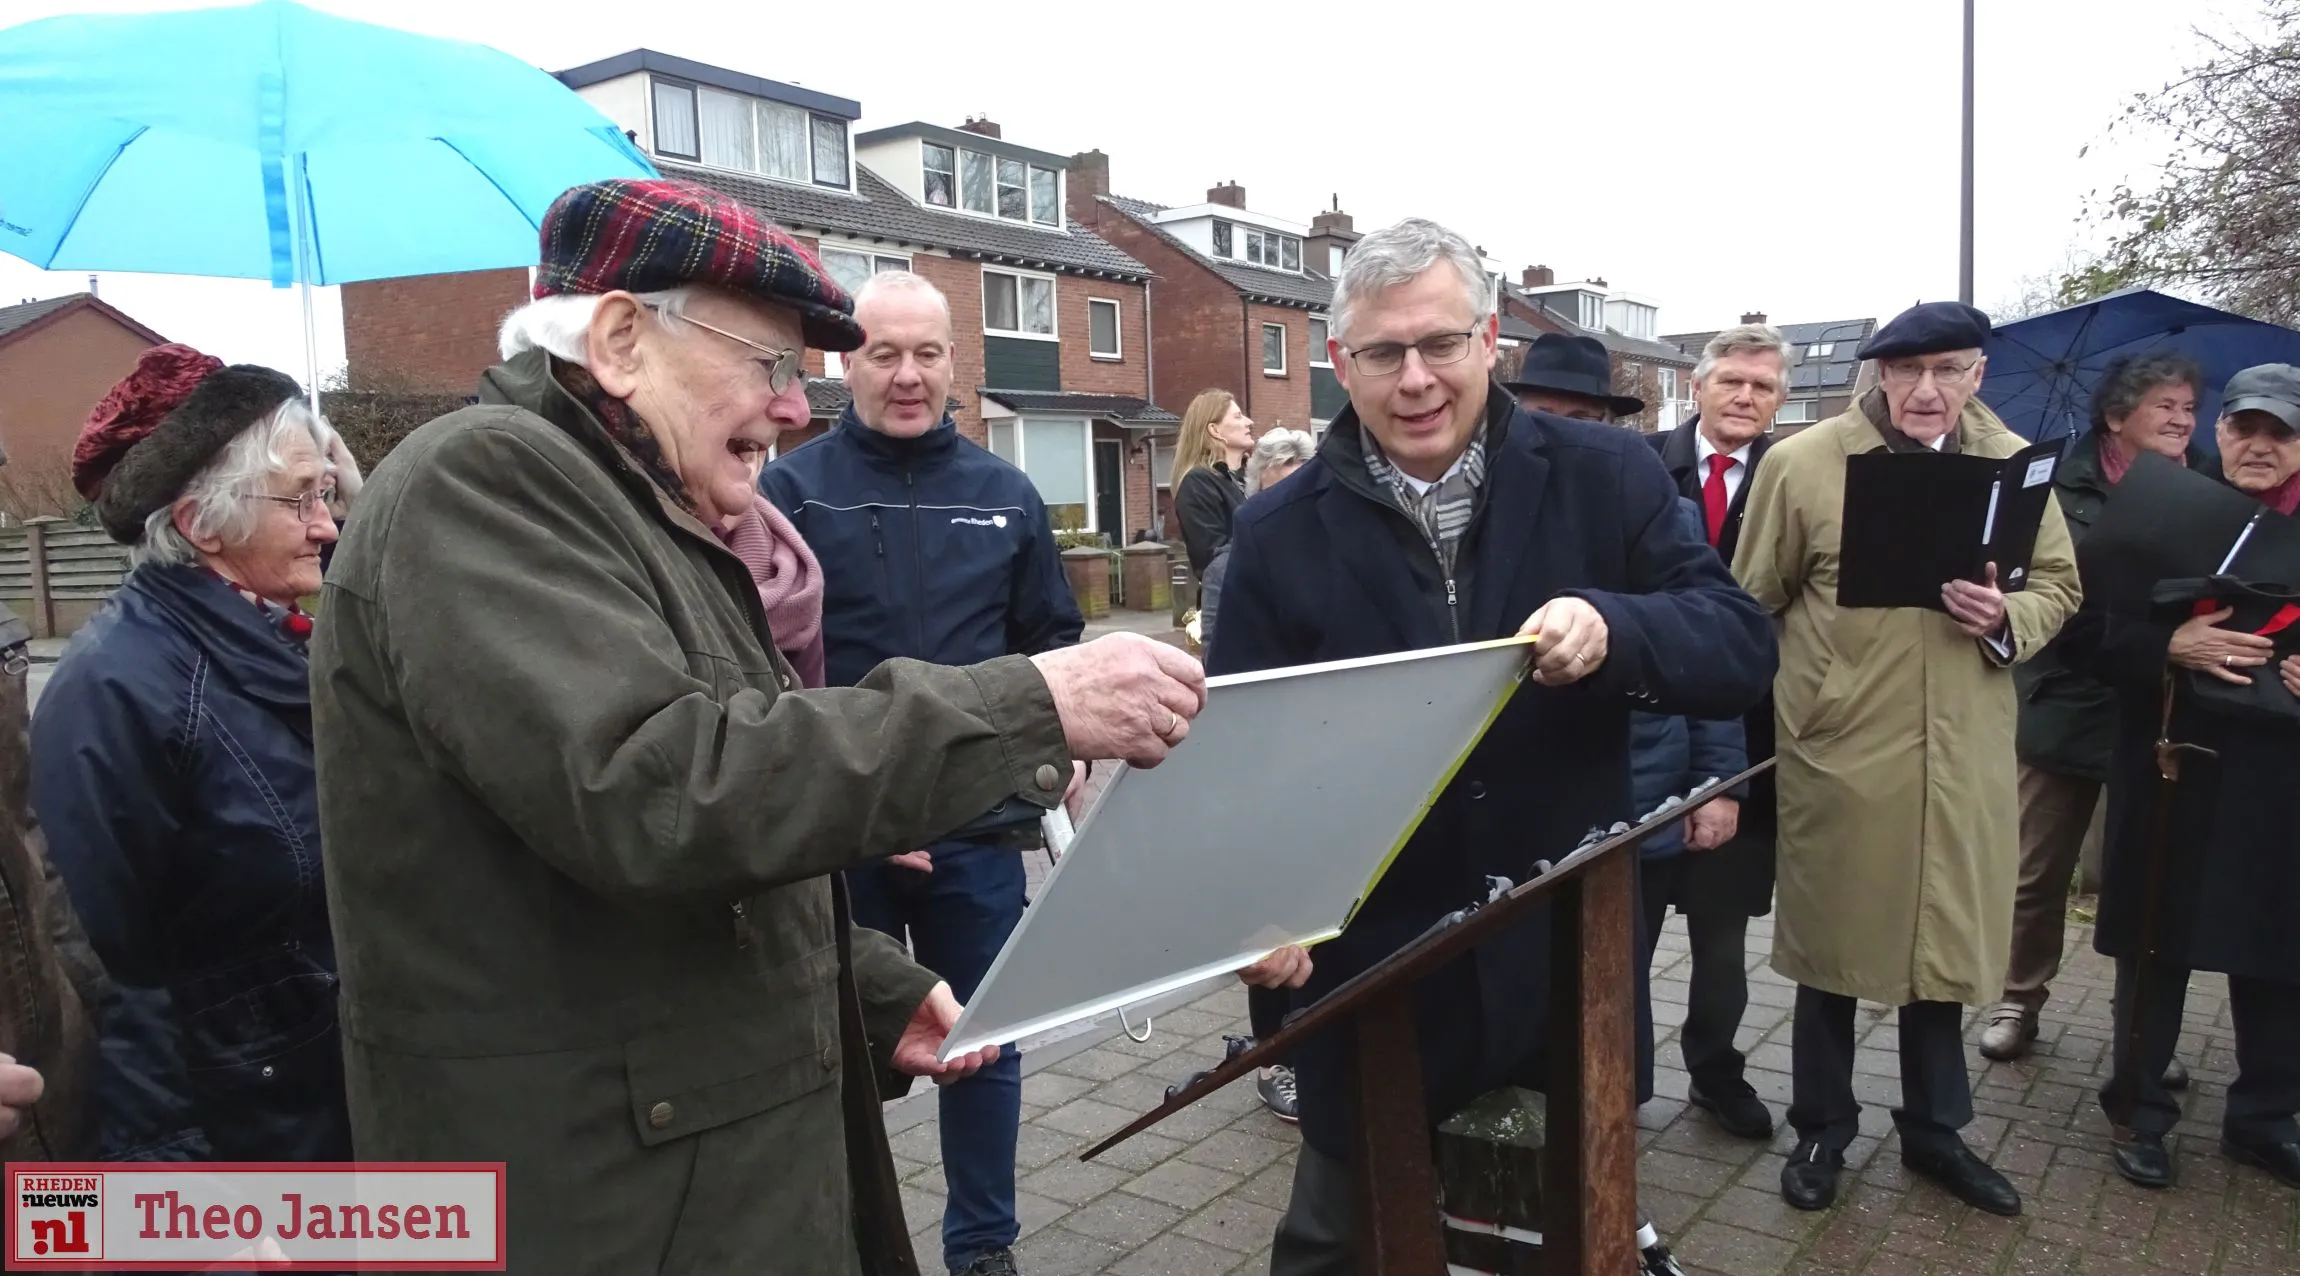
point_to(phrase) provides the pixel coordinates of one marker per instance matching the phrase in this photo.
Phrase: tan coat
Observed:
(1899, 825)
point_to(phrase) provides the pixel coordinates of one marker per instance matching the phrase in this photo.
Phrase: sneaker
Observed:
(2009, 1028)
(1276, 1086)
(990, 1262)
(1654, 1258)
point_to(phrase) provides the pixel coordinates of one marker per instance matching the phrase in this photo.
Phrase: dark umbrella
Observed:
(2042, 371)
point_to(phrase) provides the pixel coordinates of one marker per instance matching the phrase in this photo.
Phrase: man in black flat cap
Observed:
(1570, 377)
(1898, 822)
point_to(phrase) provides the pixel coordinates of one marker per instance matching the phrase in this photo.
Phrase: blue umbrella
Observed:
(2042, 371)
(271, 141)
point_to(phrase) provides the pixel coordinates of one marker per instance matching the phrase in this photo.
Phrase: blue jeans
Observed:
(956, 918)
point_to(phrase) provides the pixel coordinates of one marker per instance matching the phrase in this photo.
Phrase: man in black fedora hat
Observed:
(1570, 377)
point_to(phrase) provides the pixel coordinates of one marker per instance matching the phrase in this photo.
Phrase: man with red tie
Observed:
(1738, 385)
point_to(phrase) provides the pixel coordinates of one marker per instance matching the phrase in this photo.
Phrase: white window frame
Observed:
(994, 159)
(844, 180)
(1820, 349)
(1117, 330)
(1162, 447)
(1271, 245)
(834, 363)
(955, 197)
(1666, 380)
(1054, 304)
(1267, 370)
(1811, 412)
(1022, 457)
(1319, 358)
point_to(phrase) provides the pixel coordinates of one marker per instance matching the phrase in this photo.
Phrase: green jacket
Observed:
(2067, 718)
(579, 830)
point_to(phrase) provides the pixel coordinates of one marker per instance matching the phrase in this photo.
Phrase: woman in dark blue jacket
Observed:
(172, 768)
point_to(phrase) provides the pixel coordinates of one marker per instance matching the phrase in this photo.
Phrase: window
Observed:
(1017, 305)
(853, 269)
(1102, 328)
(1274, 349)
(1592, 311)
(783, 142)
(1795, 412)
(1292, 254)
(974, 181)
(1263, 247)
(730, 137)
(1054, 453)
(941, 176)
(1013, 196)
(1820, 349)
(1319, 358)
(675, 121)
(1045, 197)
(830, 151)
(1222, 239)
(1162, 462)
(1668, 378)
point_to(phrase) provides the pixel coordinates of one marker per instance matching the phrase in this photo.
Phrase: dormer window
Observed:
(941, 176)
(991, 185)
(1261, 247)
(750, 135)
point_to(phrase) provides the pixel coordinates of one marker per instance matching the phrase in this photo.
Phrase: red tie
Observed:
(1713, 493)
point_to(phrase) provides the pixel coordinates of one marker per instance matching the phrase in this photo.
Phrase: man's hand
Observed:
(916, 861)
(1979, 609)
(2222, 653)
(1123, 696)
(1569, 641)
(344, 472)
(1289, 967)
(1074, 797)
(2290, 672)
(930, 1026)
(1712, 825)
(19, 1089)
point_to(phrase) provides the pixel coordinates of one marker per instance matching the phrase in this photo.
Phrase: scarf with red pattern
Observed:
(624, 426)
(289, 618)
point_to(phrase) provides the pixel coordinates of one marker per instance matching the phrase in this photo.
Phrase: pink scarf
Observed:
(2114, 463)
(790, 584)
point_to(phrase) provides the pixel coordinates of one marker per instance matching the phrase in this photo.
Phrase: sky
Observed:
(1801, 160)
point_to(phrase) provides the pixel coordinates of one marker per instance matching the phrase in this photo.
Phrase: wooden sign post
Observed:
(1590, 1159)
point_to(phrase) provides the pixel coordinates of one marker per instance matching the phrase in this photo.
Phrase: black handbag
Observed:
(2272, 611)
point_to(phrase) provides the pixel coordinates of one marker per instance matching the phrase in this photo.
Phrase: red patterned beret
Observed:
(164, 376)
(161, 425)
(653, 236)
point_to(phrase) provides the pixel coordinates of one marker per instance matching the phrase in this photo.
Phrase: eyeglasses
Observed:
(307, 505)
(1389, 357)
(783, 366)
(1943, 374)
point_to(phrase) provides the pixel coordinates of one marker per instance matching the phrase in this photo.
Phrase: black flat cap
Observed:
(1928, 328)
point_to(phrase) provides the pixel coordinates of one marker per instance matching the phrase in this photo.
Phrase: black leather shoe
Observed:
(2143, 1160)
(1809, 1180)
(2279, 1159)
(1951, 1164)
(2175, 1075)
(1739, 1111)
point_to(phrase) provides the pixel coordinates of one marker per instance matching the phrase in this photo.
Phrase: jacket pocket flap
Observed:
(696, 1079)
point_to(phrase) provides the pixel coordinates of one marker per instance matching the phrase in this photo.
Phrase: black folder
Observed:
(1914, 521)
(2164, 521)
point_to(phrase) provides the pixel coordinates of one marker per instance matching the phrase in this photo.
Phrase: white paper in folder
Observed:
(1267, 827)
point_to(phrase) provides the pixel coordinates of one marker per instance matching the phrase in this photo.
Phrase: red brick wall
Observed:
(961, 282)
(428, 333)
(50, 377)
(1277, 402)
(1198, 339)
(1130, 374)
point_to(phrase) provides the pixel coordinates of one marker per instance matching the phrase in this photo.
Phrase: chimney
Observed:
(1538, 277)
(1331, 234)
(1332, 220)
(92, 285)
(1597, 281)
(1754, 316)
(980, 124)
(1229, 194)
(1089, 179)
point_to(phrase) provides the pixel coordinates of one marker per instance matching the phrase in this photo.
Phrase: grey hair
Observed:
(1399, 254)
(1746, 338)
(901, 281)
(2129, 378)
(1278, 447)
(560, 325)
(220, 492)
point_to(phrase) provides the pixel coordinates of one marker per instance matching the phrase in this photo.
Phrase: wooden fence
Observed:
(55, 573)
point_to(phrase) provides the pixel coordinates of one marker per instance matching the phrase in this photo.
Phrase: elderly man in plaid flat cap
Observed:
(580, 815)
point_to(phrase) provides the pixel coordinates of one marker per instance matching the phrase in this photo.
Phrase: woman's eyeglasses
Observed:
(305, 505)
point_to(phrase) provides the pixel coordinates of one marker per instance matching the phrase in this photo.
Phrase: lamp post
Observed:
(1965, 247)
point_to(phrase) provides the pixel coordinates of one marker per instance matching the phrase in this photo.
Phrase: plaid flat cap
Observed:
(652, 236)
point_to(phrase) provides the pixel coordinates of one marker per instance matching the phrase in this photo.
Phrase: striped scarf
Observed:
(1443, 511)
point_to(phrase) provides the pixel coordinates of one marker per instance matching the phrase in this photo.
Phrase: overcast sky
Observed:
(1800, 160)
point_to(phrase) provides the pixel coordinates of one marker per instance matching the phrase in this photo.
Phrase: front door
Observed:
(1110, 489)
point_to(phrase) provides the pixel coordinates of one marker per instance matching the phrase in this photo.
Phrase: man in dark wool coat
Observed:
(1439, 512)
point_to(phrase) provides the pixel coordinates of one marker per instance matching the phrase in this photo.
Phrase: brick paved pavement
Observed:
(1201, 1193)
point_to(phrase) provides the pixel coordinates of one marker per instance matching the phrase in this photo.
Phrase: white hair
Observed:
(560, 325)
(1745, 338)
(1278, 447)
(220, 492)
(1399, 254)
(901, 281)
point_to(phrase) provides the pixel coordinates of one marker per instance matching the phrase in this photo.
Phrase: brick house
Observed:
(1240, 302)
(1651, 369)
(57, 358)
(1824, 376)
(1052, 371)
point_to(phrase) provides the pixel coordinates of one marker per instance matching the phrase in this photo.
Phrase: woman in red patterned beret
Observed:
(172, 767)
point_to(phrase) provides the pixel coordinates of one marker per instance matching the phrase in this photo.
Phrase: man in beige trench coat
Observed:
(1898, 816)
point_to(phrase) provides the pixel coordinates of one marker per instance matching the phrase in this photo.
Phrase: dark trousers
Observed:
(2266, 1092)
(956, 918)
(1936, 1091)
(1318, 1232)
(1718, 992)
